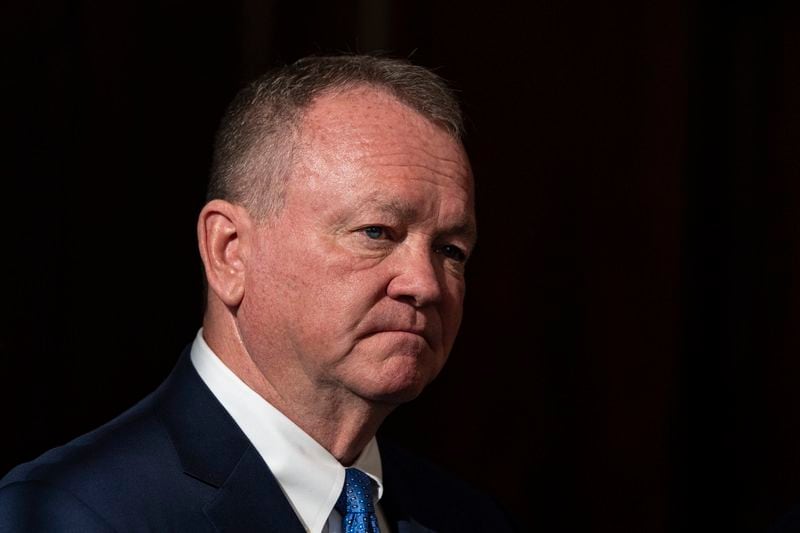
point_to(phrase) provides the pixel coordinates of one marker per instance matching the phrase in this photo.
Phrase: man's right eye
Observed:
(374, 232)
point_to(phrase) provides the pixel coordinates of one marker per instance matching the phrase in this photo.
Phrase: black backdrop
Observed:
(629, 357)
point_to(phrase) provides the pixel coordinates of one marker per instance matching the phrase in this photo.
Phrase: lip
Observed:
(420, 332)
(413, 331)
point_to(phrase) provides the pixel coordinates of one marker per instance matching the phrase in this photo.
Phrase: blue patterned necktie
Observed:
(355, 503)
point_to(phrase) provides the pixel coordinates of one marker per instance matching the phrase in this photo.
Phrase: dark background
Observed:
(629, 359)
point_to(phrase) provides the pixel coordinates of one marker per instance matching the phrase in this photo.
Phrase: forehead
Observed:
(368, 125)
(363, 151)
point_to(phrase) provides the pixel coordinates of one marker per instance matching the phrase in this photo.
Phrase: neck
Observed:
(341, 422)
(344, 430)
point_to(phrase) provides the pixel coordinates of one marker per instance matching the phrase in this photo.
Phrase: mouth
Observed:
(408, 331)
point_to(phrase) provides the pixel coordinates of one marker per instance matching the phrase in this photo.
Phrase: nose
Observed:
(416, 279)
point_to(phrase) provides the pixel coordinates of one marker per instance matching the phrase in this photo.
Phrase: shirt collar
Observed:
(310, 477)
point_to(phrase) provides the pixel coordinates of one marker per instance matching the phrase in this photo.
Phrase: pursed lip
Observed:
(413, 330)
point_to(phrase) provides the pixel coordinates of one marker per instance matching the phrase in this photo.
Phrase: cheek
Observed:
(452, 307)
(279, 285)
(327, 297)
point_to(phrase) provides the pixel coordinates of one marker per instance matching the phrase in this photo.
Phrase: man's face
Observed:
(356, 286)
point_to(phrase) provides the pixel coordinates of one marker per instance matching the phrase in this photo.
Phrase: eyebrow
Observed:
(467, 230)
(394, 207)
(404, 211)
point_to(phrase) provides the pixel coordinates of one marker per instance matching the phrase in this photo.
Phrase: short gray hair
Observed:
(255, 141)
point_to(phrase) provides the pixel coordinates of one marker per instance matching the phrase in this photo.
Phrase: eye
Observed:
(374, 232)
(453, 252)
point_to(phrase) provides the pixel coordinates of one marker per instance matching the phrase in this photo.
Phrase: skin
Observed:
(346, 302)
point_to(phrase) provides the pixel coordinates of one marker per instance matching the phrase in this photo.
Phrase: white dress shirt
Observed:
(310, 477)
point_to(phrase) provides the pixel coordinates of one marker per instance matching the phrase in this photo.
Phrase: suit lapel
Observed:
(411, 526)
(400, 520)
(214, 450)
(251, 500)
(400, 493)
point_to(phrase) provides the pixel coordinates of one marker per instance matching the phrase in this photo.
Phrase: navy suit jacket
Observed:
(178, 462)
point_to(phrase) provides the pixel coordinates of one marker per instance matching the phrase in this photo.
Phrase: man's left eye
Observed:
(451, 251)
(374, 232)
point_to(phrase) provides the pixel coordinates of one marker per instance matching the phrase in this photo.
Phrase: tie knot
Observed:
(356, 496)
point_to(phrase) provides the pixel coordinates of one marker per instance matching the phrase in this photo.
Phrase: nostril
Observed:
(416, 291)
(416, 278)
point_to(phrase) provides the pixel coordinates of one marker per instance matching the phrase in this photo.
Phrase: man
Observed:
(339, 222)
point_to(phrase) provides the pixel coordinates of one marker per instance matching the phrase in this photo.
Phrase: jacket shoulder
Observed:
(126, 473)
(37, 506)
(112, 448)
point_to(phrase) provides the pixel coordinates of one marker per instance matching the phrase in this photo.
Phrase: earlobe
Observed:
(220, 228)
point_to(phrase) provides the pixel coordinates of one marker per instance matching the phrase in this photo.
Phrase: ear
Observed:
(221, 231)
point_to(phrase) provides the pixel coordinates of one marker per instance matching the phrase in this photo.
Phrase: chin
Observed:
(401, 379)
(407, 365)
(395, 396)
